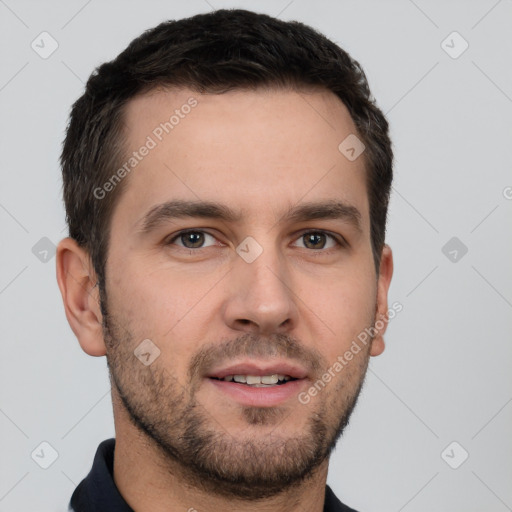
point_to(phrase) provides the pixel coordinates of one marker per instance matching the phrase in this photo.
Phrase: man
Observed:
(226, 182)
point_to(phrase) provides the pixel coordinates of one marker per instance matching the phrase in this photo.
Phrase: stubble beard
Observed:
(199, 448)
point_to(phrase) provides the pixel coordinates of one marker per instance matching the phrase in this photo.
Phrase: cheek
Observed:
(345, 310)
(156, 299)
(170, 308)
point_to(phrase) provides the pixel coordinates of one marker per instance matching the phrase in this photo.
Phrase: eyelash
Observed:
(340, 242)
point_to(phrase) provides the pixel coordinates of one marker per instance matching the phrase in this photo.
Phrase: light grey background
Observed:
(445, 375)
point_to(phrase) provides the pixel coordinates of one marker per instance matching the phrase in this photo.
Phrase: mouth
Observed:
(258, 381)
(259, 384)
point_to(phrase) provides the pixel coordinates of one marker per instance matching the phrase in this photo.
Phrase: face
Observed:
(262, 259)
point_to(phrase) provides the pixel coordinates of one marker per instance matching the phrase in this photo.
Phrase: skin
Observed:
(259, 153)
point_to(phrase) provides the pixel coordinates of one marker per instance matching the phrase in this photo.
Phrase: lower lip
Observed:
(260, 397)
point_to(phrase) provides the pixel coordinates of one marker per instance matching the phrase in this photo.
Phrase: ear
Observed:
(77, 283)
(384, 280)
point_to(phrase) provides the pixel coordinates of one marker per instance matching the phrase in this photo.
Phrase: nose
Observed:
(261, 298)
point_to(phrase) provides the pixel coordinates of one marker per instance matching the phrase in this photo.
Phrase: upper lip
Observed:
(261, 368)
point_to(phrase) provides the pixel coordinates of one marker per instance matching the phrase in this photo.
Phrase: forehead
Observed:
(259, 152)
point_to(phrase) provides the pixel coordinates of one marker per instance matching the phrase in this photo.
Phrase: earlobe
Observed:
(381, 319)
(77, 280)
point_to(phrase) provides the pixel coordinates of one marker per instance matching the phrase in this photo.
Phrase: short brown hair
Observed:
(214, 53)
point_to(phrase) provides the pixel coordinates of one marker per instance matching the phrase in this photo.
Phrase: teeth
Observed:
(253, 379)
(256, 379)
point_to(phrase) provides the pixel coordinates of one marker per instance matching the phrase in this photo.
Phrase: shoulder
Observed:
(333, 504)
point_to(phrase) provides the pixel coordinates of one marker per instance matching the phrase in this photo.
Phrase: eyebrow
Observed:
(179, 209)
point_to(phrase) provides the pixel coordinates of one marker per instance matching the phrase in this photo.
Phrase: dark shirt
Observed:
(97, 492)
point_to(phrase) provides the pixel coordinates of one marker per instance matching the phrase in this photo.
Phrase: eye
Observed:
(317, 240)
(191, 239)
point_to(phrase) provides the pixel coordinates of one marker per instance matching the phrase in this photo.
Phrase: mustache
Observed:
(281, 346)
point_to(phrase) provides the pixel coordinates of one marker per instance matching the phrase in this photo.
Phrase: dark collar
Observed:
(97, 492)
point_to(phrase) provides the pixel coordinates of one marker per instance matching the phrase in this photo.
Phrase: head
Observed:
(229, 121)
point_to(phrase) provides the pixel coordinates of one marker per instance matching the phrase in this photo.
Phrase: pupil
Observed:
(194, 239)
(314, 239)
